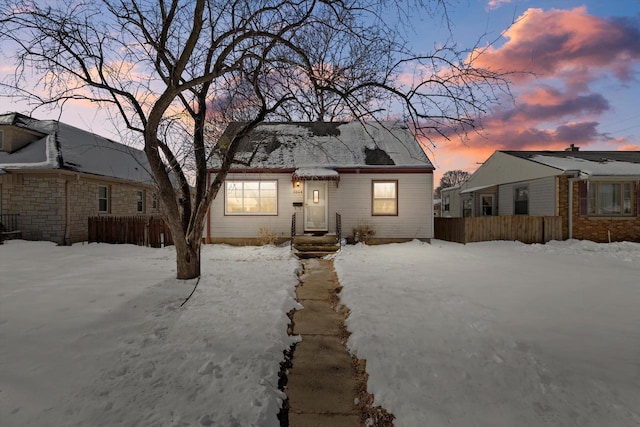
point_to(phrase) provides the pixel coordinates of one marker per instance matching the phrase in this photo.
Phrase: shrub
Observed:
(363, 233)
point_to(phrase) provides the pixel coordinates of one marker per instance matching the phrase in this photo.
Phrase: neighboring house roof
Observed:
(504, 167)
(318, 147)
(591, 163)
(64, 147)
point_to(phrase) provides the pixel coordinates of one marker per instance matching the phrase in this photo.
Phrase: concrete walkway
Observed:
(323, 382)
(326, 386)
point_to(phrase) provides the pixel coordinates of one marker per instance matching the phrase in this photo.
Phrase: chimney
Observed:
(572, 148)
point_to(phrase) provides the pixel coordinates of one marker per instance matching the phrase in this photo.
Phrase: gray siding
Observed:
(542, 197)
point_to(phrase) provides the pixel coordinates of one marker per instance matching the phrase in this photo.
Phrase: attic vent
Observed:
(377, 156)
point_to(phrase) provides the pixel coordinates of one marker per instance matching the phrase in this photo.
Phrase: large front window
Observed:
(251, 198)
(610, 198)
(385, 198)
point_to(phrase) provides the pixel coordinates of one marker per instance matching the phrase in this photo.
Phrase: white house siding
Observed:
(350, 197)
(352, 200)
(249, 226)
(542, 197)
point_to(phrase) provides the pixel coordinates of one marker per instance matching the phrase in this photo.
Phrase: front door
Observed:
(316, 208)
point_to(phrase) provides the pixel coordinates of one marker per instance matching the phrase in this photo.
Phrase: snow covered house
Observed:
(298, 178)
(54, 176)
(596, 193)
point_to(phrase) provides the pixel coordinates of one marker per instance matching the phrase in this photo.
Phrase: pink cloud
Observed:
(549, 43)
(561, 54)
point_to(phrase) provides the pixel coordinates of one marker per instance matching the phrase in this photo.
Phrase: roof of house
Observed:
(64, 147)
(591, 163)
(322, 145)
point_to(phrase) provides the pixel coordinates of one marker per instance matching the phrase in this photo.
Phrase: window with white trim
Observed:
(154, 201)
(103, 199)
(384, 198)
(610, 198)
(446, 203)
(251, 197)
(521, 201)
(140, 201)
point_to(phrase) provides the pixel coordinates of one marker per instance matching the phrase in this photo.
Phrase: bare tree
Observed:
(451, 179)
(176, 71)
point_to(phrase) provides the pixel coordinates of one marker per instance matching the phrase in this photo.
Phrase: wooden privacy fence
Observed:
(135, 230)
(526, 229)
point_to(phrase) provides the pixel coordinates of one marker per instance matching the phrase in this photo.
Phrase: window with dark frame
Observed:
(154, 201)
(384, 198)
(467, 208)
(610, 198)
(521, 201)
(446, 200)
(103, 198)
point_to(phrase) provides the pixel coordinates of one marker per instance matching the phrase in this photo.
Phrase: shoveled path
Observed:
(322, 383)
(326, 385)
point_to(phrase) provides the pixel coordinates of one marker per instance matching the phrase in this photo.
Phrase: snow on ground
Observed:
(93, 335)
(487, 334)
(498, 333)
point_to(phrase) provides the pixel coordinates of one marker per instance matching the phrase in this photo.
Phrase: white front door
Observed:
(316, 208)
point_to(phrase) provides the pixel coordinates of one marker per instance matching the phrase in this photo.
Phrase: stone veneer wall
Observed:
(40, 201)
(597, 229)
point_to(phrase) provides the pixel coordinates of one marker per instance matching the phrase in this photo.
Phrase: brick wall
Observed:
(598, 229)
(40, 201)
(37, 201)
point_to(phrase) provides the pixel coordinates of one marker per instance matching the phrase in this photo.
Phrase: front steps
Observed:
(315, 246)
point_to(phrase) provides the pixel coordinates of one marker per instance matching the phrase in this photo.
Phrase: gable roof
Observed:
(294, 145)
(589, 163)
(64, 147)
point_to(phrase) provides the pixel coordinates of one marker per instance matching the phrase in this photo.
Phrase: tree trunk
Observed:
(187, 260)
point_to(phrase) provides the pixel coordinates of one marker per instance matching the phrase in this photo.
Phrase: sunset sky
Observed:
(583, 88)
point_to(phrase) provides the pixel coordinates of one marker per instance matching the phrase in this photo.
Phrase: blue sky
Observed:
(586, 60)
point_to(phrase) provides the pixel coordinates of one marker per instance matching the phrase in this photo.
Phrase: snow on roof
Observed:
(329, 145)
(312, 173)
(69, 148)
(591, 163)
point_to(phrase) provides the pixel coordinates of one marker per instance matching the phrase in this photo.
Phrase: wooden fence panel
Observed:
(526, 229)
(135, 230)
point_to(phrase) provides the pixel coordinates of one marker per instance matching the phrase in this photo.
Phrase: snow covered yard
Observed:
(93, 335)
(487, 334)
(498, 333)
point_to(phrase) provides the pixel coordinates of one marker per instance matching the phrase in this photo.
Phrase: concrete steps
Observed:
(315, 246)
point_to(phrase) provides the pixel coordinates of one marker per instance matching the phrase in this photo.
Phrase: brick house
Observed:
(596, 193)
(54, 176)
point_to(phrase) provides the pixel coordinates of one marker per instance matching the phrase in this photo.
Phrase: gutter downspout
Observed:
(570, 211)
(207, 239)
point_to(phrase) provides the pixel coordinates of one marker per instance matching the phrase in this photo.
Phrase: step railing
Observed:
(339, 227)
(293, 228)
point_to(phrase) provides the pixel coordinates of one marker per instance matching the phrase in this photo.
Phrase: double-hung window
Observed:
(251, 197)
(446, 203)
(384, 198)
(139, 201)
(103, 199)
(521, 201)
(610, 198)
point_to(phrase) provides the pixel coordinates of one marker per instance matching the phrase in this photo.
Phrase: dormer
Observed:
(14, 137)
